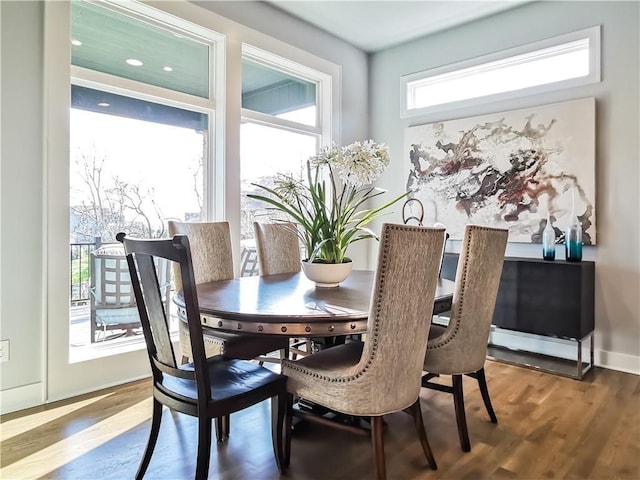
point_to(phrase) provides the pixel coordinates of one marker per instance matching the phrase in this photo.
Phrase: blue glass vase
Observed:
(573, 242)
(548, 241)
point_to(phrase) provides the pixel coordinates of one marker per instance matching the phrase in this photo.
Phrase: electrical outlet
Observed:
(4, 351)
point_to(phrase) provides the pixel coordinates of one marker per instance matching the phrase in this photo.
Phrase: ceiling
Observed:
(376, 25)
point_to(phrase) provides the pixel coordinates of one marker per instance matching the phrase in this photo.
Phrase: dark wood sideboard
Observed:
(547, 298)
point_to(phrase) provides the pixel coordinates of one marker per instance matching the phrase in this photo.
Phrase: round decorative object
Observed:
(327, 274)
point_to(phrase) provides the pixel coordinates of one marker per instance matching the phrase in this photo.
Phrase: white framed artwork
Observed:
(508, 169)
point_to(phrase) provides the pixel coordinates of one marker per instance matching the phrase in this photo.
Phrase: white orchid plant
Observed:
(331, 211)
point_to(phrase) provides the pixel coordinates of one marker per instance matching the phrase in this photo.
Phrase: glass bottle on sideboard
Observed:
(548, 241)
(573, 241)
(573, 234)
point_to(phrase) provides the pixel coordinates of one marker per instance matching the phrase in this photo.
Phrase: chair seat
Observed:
(333, 359)
(233, 345)
(436, 331)
(228, 379)
(246, 347)
(117, 316)
(321, 378)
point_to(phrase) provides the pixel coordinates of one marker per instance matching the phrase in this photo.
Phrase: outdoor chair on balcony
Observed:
(113, 304)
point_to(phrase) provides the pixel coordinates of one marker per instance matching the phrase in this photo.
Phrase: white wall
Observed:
(617, 254)
(22, 298)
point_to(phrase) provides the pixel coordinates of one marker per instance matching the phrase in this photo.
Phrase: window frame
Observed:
(213, 106)
(324, 116)
(594, 75)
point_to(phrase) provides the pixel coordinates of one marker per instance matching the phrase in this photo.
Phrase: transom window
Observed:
(560, 62)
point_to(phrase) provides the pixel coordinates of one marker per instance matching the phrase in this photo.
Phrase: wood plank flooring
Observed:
(549, 427)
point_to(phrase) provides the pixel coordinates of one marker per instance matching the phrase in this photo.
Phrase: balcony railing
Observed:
(80, 270)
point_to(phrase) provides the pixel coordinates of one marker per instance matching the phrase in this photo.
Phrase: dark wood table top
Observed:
(291, 305)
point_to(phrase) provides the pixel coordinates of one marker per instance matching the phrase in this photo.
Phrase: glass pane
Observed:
(134, 165)
(270, 91)
(264, 152)
(539, 67)
(109, 42)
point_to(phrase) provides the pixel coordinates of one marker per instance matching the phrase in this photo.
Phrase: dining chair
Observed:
(382, 374)
(206, 388)
(278, 251)
(460, 348)
(212, 261)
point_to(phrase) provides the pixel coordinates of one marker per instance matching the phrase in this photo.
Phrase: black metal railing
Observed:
(80, 270)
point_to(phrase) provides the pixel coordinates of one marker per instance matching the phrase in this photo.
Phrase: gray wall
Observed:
(21, 199)
(617, 254)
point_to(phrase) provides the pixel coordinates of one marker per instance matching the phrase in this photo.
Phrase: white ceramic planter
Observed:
(327, 274)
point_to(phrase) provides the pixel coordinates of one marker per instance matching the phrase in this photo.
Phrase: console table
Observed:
(547, 298)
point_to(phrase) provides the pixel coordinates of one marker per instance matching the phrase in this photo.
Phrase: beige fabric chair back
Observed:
(462, 348)
(387, 377)
(278, 248)
(210, 250)
(397, 330)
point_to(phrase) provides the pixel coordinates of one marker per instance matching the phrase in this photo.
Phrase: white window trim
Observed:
(324, 94)
(592, 33)
(215, 106)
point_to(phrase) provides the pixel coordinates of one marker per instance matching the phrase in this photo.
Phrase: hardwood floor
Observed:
(548, 427)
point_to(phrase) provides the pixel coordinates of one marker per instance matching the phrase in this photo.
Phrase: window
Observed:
(560, 62)
(286, 111)
(142, 109)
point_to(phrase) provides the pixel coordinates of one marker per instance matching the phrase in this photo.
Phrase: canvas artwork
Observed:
(508, 170)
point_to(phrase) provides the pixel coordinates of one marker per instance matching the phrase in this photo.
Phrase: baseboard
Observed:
(618, 361)
(564, 349)
(19, 398)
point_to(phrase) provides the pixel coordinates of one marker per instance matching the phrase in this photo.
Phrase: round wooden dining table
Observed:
(291, 305)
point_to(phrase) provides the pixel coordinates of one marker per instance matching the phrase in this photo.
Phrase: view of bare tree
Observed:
(110, 205)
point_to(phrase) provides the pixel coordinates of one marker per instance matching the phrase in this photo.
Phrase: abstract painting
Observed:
(508, 170)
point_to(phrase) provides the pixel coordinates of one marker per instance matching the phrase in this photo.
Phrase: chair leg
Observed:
(482, 383)
(219, 429)
(156, 417)
(416, 413)
(278, 410)
(184, 360)
(284, 353)
(458, 401)
(204, 447)
(288, 426)
(378, 447)
(226, 424)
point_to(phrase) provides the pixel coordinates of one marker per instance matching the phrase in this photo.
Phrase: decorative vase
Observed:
(327, 274)
(548, 241)
(573, 234)
(573, 242)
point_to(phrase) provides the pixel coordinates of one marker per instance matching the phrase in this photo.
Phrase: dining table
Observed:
(291, 305)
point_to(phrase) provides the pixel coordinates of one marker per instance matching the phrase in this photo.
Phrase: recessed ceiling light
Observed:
(75, 42)
(167, 69)
(103, 104)
(134, 62)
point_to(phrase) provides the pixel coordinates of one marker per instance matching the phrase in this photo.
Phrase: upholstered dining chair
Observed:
(212, 261)
(382, 374)
(460, 348)
(207, 388)
(278, 251)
